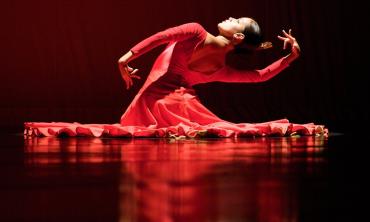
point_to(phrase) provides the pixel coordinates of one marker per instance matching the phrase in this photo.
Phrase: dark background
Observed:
(59, 60)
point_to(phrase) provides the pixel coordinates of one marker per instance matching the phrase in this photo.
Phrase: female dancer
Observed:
(167, 105)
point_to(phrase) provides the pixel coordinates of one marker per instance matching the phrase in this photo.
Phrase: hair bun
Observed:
(264, 45)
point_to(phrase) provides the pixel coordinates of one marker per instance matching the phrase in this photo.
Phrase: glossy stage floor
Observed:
(246, 179)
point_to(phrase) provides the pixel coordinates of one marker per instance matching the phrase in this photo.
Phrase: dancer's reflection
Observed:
(197, 180)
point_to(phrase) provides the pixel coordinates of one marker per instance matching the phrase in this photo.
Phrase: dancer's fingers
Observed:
(287, 35)
(135, 76)
(281, 38)
(128, 82)
(133, 72)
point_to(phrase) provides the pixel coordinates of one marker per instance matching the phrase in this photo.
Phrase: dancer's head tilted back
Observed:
(244, 32)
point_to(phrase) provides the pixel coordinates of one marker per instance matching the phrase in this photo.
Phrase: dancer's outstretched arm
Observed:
(178, 33)
(248, 76)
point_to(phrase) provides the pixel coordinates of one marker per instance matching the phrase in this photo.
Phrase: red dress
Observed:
(167, 105)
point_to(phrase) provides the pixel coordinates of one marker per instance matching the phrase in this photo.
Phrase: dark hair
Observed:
(253, 39)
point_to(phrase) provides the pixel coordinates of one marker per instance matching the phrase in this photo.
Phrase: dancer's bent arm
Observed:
(261, 75)
(178, 33)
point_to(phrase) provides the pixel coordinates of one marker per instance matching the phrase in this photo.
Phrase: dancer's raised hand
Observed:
(127, 73)
(290, 40)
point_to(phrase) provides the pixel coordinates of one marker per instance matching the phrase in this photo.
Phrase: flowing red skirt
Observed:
(179, 114)
(219, 129)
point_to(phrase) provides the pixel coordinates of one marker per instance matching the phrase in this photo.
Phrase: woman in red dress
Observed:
(167, 105)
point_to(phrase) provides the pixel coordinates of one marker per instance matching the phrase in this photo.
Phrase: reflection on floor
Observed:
(246, 179)
(92, 179)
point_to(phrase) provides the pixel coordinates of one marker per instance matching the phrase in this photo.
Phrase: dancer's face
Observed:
(231, 26)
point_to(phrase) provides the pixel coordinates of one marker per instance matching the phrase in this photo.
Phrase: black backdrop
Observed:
(59, 59)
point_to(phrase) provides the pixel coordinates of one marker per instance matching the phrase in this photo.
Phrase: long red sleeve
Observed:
(229, 74)
(178, 33)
